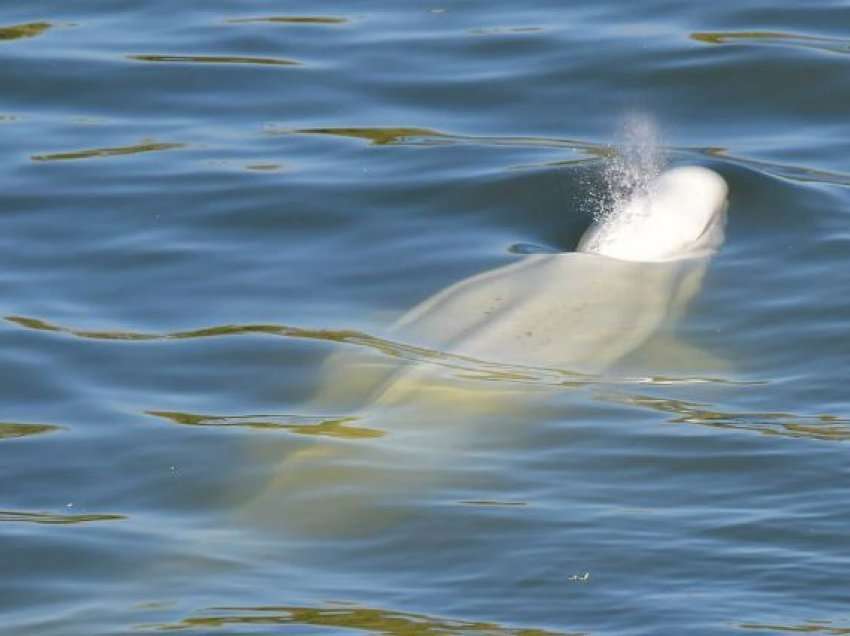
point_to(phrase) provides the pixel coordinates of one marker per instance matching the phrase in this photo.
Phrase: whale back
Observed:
(543, 311)
(575, 311)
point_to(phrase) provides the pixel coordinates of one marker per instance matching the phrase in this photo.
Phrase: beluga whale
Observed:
(464, 360)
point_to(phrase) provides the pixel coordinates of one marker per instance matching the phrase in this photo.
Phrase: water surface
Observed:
(202, 202)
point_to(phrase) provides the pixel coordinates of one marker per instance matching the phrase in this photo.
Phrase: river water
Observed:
(202, 202)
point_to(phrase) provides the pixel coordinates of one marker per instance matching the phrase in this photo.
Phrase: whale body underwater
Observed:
(633, 274)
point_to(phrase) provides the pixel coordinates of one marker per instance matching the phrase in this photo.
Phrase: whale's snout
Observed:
(681, 215)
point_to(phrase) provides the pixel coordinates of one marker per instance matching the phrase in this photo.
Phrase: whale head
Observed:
(682, 214)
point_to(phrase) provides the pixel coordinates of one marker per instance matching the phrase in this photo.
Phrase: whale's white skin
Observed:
(681, 215)
(581, 311)
(634, 271)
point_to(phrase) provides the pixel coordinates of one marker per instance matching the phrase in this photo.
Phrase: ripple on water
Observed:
(117, 151)
(264, 167)
(506, 30)
(290, 19)
(809, 627)
(338, 427)
(214, 59)
(28, 30)
(11, 430)
(240, 165)
(48, 518)
(377, 136)
(823, 427)
(466, 367)
(348, 616)
(774, 38)
(385, 136)
(800, 174)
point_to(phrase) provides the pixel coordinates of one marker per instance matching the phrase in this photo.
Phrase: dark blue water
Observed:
(200, 202)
